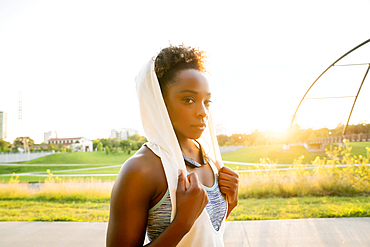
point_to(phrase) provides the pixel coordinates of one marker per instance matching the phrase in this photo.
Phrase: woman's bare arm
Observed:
(130, 199)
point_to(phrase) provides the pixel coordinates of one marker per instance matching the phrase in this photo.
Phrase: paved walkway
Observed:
(354, 232)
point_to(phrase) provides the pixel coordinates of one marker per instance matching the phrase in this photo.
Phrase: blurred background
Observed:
(73, 63)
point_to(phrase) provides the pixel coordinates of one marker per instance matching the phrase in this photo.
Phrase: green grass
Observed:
(263, 195)
(35, 210)
(74, 190)
(25, 169)
(248, 209)
(301, 207)
(92, 171)
(276, 153)
(91, 158)
(68, 163)
(359, 148)
(39, 179)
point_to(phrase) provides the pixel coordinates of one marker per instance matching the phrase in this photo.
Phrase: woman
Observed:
(174, 189)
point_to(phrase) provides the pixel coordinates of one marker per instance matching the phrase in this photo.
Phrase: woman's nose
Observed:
(202, 111)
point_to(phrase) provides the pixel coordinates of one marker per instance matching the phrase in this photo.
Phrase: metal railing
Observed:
(334, 139)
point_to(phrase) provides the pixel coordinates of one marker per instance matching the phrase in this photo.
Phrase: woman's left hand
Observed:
(228, 181)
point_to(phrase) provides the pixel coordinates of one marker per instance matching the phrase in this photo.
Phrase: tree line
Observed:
(256, 137)
(115, 146)
(293, 135)
(107, 145)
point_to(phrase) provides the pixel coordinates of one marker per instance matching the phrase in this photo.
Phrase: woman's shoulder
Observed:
(143, 159)
(144, 164)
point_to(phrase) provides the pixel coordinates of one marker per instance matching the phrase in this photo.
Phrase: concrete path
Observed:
(275, 233)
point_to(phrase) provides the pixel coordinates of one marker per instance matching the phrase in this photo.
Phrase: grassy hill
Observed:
(95, 162)
(249, 155)
(276, 153)
(66, 163)
(273, 152)
(90, 158)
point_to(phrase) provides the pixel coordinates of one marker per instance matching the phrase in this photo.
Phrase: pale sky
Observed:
(75, 61)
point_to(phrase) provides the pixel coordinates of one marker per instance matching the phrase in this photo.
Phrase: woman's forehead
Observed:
(191, 81)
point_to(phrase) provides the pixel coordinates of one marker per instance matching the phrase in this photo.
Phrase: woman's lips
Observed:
(200, 127)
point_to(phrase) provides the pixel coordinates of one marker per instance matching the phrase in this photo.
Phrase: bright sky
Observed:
(75, 61)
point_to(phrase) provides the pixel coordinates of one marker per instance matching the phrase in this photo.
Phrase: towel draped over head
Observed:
(160, 133)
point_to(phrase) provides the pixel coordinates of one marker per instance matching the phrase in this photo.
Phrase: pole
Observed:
(291, 124)
(354, 102)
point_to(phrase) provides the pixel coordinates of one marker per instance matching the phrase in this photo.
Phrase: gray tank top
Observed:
(160, 214)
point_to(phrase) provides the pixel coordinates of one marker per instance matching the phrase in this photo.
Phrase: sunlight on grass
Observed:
(327, 179)
(328, 190)
(57, 189)
(301, 207)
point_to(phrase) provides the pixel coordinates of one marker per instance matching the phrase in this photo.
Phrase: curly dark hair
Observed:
(173, 59)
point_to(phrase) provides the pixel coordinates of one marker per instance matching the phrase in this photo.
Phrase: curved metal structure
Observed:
(333, 64)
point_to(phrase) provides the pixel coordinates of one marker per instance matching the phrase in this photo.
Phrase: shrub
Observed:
(328, 177)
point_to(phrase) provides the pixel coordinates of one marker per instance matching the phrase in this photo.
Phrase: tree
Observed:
(4, 144)
(95, 143)
(135, 137)
(105, 142)
(125, 144)
(51, 146)
(18, 142)
(114, 142)
(100, 147)
(222, 139)
(78, 148)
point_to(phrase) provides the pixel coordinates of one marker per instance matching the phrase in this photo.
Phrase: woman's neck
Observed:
(188, 147)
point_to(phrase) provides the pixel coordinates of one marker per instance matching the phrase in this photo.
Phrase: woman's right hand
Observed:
(191, 201)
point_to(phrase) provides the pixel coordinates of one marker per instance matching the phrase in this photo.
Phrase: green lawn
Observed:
(91, 158)
(42, 169)
(277, 154)
(39, 179)
(274, 152)
(67, 163)
(301, 207)
(75, 204)
(35, 210)
(248, 209)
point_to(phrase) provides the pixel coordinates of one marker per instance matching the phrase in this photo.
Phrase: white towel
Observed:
(163, 142)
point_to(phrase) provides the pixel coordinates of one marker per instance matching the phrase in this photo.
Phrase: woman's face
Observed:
(188, 102)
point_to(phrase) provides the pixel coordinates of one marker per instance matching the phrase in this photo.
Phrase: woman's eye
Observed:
(189, 100)
(207, 102)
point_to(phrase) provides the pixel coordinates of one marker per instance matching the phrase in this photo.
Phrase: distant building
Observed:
(3, 125)
(50, 134)
(113, 134)
(123, 134)
(130, 132)
(80, 144)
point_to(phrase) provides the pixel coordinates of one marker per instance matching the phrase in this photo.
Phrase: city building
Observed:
(80, 144)
(3, 125)
(113, 134)
(50, 134)
(123, 134)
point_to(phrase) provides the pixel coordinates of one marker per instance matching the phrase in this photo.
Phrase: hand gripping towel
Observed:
(163, 142)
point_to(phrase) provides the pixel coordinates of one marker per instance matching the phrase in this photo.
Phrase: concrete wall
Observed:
(19, 157)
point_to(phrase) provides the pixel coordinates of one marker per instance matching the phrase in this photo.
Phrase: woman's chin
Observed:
(193, 135)
(196, 136)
